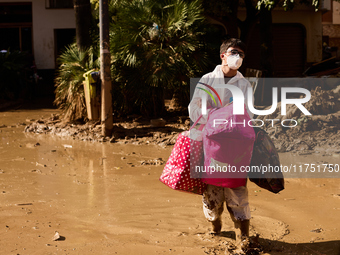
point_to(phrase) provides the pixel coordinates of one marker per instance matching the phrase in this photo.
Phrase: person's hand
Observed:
(199, 102)
(228, 104)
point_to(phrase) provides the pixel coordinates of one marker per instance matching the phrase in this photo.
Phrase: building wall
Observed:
(43, 24)
(331, 28)
(336, 12)
(46, 20)
(312, 21)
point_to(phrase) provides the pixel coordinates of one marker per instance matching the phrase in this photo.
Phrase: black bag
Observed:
(265, 155)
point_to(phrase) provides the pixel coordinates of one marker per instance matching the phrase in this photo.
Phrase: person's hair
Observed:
(233, 42)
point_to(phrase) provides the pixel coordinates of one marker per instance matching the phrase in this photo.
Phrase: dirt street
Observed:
(105, 198)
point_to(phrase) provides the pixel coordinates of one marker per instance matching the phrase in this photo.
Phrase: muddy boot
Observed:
(241, 226)
(242, 235)
(244, 227)
(245, 244)
(217, 225)
(255, 247)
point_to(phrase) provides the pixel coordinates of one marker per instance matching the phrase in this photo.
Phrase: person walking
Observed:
(232, 53)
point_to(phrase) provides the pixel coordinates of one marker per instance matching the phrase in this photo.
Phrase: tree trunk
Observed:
(224, 12)
(249, 23)
(158, 101)
(231, 19)
(83, 13)
(266, 42)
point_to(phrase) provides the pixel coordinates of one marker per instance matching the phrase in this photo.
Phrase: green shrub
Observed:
(14, 71)
(69, 81)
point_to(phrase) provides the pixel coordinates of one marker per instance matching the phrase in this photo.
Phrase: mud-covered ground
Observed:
(325, 140)
(134, 130)
(60, 195)
(318, 133)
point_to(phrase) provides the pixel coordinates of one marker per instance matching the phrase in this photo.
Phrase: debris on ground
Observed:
(317, 230)
(153, 162)
(58, 237)
(316, 133)
(137, 131)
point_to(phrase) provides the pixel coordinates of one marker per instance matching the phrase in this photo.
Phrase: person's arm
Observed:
(195, 106)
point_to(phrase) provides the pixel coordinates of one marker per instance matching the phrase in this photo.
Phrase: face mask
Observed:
(234, 61)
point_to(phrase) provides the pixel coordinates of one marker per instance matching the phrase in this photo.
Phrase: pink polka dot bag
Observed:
(186, 154)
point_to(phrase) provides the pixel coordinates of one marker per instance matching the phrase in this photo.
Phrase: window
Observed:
(56, 4)
(16, 38)
(16, 26)
(15, 13)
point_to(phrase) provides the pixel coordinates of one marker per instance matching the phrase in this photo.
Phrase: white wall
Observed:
(43, 24)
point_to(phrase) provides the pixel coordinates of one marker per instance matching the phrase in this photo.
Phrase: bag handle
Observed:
(196, 122)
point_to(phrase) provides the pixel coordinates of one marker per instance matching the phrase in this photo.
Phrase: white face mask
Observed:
(234, 61)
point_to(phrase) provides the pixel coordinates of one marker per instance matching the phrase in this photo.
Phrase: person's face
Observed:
(232, 51)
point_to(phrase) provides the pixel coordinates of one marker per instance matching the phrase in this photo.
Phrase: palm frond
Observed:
(69, 89)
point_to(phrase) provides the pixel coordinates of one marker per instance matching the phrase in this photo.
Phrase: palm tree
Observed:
(83, 17)
(69, 88)
(156, 45)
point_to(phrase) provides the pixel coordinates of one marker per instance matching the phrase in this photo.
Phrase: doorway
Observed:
(63, 38)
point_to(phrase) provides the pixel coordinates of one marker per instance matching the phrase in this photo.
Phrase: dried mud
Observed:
(318, 133)
(60, 195)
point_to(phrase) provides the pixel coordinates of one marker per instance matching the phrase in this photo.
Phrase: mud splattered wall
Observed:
(44, 23)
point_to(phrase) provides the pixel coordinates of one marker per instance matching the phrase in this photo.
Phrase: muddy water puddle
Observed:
(105, 198)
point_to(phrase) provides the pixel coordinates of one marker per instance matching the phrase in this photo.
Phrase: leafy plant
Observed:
(14, 69)
(69, 88)
(156, 45)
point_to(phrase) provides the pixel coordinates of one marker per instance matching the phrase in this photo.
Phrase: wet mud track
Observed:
(105, 198)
